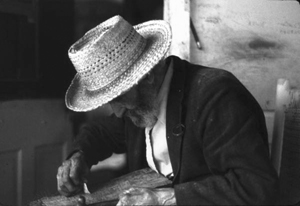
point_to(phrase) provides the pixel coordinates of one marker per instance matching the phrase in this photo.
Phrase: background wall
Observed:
(257, 40)
(36, 129)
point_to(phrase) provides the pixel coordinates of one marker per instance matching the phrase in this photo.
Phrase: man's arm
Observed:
(100, 139)
(95, 142)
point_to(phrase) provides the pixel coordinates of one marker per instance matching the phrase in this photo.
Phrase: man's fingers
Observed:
(66, 179)
(60, 184)
(63, 190)
(71, 175)
(78, 171)
(74, 173)
(65, 184)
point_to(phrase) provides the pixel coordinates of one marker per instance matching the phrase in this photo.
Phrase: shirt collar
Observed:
(163, 94)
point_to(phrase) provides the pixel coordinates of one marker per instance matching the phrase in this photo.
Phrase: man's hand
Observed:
(72, 175)
(147, 196)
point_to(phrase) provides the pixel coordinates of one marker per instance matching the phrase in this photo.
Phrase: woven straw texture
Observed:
(290, 162)
(112, 57)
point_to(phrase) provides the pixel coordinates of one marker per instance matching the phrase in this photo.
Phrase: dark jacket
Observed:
(216, 136)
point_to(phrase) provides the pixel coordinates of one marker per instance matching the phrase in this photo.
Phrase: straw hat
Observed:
(113, 57)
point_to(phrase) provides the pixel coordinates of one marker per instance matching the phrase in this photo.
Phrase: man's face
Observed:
(139, 104)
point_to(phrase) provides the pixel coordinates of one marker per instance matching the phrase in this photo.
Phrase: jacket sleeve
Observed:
(234, 142)
(99, 139)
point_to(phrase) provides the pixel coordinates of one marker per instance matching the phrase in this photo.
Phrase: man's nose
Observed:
(118, 109)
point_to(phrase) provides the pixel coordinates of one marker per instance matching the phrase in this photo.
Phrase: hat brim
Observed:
(158, 36)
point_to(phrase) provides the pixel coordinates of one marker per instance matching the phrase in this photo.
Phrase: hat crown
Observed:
(106, 52)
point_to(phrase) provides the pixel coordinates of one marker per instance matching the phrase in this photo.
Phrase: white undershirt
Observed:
(157, 152)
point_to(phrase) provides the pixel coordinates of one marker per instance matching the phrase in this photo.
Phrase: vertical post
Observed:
(177, 13)
(282, 101)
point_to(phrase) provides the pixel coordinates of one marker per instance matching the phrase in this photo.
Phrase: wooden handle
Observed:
(109, 192)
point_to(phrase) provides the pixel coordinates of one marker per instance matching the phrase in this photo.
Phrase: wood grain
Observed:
(108, 193)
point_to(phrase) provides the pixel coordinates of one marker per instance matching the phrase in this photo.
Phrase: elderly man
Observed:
(198, 126)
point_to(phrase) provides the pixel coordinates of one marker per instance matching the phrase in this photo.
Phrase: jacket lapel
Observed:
(175, 128)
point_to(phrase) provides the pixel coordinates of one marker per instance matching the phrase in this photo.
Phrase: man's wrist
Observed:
(75, 152)
(79, 153)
